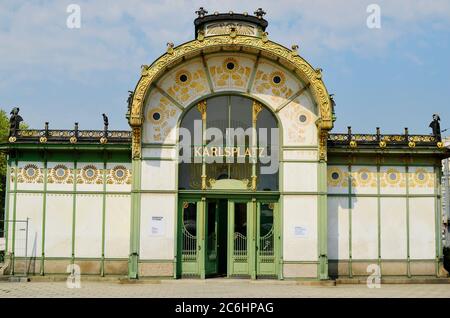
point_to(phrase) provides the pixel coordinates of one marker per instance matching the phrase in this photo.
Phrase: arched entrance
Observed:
(228, 216)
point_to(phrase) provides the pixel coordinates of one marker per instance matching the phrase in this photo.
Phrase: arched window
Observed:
(217, 148)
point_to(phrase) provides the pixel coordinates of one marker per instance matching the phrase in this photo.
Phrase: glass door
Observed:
(211, 238)
(267, 242)
(188, 238)
(239, 238)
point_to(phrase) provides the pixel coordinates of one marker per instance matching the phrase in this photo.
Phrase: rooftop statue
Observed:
(436, 127)
(105, 121)
(14, 121)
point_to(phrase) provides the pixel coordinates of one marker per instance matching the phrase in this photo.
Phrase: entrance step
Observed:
(396, 280)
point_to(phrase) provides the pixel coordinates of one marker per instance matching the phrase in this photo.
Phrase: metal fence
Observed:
(14, 245)
(446, 200)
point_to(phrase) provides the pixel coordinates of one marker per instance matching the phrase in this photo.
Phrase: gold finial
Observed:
(294, 48)
(233, 32)
(257, 108)
(319, 73)
(201, 35)
(201, 106)
(144, 69)
(264, 37)
(170, 46)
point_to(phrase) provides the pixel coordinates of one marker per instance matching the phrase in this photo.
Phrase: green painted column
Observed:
(74, 208)
(7, 195)
(135, 219)
(13, 243)
(323, 220)
(102, 265)
(44, 213)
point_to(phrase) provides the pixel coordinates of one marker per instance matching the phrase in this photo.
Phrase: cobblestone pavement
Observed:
(216, 288)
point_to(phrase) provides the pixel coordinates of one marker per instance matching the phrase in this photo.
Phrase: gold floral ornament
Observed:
(383, 144)
(12, 139)
(440, 145)
(365, 178)
(73, 140)
(43, 140)
(421, 178)
(159, 117)
(103, 140)
(59, 174)
(187, 85)
(230, 72)
(411, 144)
(89, 174)
(335, 176)
(274, 84)
(393, 177)
(353, 144)
(120, 174)
(30, 173)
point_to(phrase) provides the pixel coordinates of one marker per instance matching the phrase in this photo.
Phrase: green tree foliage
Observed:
(4, 133)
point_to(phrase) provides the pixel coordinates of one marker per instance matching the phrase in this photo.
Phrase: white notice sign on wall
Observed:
(157, 226)
(300, 231)
(2, 244)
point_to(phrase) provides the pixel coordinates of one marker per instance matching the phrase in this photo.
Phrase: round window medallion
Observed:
(303, 118)
(421, 176)
(183, 78)
(156, 116)
(364, 176)
(120, 173)
(230, 65)
(60, 172)
(392, 176)
(31, 172)
(276, 79)
(335, 175)
(90, 173)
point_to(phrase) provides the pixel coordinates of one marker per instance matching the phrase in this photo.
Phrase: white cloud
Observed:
(117, 35)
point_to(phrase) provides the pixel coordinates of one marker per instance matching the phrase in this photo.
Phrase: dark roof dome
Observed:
(225, 19)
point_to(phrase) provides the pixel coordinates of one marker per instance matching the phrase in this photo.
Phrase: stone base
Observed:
(156, 269)
(300, 270)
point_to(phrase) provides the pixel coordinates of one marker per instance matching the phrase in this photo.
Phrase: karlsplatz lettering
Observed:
(203, 309)
(237, 152)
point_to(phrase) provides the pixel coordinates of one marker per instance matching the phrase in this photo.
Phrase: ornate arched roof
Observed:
(257, 45)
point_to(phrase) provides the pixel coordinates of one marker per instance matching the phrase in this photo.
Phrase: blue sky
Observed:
(393, 77)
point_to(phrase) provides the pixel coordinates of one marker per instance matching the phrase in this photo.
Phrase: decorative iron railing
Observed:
(266, 248)
(189, 251)
(98, 136)
(382, 139)
(240, 248)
